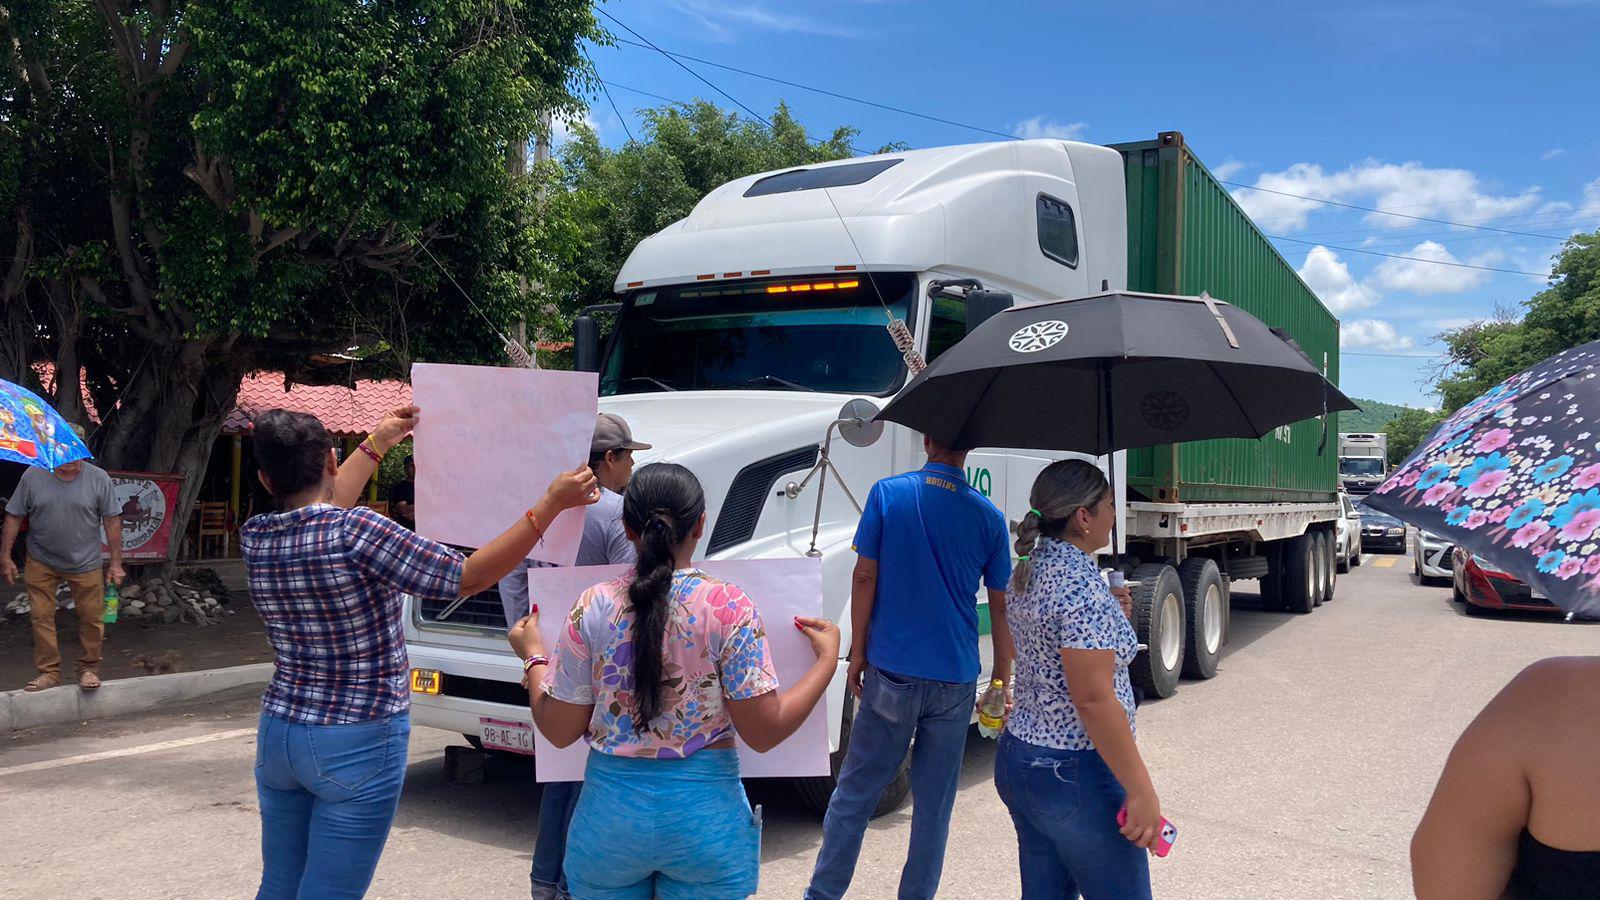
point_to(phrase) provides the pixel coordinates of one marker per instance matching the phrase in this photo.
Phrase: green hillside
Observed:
(1372, 415)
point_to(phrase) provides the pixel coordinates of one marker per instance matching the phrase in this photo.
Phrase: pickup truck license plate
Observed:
(499, 734)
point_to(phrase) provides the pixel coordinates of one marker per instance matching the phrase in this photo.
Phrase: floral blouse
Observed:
(1067, 606)
(716, 650)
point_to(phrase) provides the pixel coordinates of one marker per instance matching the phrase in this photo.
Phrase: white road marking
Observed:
(126, 751)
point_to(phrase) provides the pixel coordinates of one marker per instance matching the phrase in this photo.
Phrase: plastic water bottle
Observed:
(992, 711)
(113, 602)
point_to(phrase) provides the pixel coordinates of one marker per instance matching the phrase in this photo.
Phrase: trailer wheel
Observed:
(1331, 570)
(1272, 582)
(816, 792)
(1300, 579)
(1205, 598)
(1159, 619)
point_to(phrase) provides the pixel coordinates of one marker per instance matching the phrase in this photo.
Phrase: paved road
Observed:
(1298, 772)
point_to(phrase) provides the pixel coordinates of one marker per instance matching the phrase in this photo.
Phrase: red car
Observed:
(1482, 587)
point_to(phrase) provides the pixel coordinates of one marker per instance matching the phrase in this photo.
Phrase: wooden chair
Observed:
(213, 518)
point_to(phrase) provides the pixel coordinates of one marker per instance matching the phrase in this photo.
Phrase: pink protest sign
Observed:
(489, 441)
(781, 589)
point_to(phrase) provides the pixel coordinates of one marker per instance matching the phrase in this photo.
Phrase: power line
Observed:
(607, 91)
(1387, 212)
(826, 93)
(1437, 262)
(1532, 220)
(669, 100)
(760, 118)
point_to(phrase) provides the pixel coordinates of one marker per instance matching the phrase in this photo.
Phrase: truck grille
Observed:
(482, 609)
(736, 523)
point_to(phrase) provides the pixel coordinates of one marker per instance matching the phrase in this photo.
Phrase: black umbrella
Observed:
(1114, 371)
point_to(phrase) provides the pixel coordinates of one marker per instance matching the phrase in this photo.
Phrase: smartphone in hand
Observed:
(1164, 840)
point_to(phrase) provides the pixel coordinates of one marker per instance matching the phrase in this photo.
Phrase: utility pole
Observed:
(518, 164)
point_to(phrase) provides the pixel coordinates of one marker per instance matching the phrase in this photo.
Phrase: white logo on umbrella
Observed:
(1038, 336)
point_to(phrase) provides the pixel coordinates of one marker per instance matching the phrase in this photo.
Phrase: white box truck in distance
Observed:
(1363, 461)
(748, 330)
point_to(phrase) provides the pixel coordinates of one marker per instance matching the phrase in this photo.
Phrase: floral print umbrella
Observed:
(1514, 477)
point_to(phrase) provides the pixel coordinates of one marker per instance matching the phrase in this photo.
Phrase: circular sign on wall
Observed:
(143, 506)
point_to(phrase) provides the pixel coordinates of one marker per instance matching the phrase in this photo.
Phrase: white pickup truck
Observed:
(750, 335)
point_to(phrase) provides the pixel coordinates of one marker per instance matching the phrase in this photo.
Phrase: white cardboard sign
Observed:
(781, 589)
(488, 443)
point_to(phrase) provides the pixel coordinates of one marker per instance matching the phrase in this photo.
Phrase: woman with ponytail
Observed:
(659, 669)
(1067, 763)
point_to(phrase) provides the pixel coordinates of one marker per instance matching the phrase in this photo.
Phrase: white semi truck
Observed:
(750, 342)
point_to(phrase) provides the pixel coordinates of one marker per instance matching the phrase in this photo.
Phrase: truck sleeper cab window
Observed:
(1058, 230)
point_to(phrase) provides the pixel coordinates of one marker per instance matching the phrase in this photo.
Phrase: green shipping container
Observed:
(1187, 235)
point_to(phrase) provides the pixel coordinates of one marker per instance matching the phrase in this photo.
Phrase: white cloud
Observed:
(1411, 188)
(1046, 127)
(1330, 279)
(1552, 153)
(1229, 168)
(1422, 276)
(1372, 334)
(561, 130)
(719, 17)
(1591, 194)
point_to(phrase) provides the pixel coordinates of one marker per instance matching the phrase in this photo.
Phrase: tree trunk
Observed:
(171, 413)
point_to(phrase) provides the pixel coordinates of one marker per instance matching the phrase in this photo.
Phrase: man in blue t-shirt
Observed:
(926, 540)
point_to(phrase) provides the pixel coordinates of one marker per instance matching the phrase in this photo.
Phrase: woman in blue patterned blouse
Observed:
(1067, 762)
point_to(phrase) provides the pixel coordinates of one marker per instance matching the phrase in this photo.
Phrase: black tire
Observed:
(1356, 559)
(1205, 602)
(1272, 582)
(474, 740)
(1331, 570)
(1300, 574)
(1474, 609)
(1455, 592)
(1159, 589)
(1319, 562)
(816, 792)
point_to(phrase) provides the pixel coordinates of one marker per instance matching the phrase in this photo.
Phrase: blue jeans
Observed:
(664, 829)
(893, 709)
(555, 817)
(328, 794)
(1064, 804)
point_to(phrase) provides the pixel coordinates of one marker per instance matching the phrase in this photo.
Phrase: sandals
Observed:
(44, 682)
(88, 681)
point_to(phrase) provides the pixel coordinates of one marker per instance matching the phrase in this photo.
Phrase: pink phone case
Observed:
(1164, 840)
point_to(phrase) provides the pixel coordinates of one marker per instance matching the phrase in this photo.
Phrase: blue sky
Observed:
(1469, 112)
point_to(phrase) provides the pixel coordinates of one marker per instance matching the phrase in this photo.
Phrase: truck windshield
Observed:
(1361, 465)
(812, 333)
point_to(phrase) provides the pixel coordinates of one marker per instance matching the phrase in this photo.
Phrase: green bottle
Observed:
(113, 601)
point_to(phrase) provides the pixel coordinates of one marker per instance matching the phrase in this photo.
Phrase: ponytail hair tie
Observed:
(1037, 513)
(1022, 559)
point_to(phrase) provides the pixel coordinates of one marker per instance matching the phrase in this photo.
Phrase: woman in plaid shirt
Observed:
(328, 579)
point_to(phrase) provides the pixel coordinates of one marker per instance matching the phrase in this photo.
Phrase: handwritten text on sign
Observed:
(488, 443)
(781, 589)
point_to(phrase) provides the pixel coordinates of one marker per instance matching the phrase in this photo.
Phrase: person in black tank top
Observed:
(1513, 814)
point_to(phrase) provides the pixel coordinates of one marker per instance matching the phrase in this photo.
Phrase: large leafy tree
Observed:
(1408, 430)
(195, 189)
(1564, 315)
(614, 198)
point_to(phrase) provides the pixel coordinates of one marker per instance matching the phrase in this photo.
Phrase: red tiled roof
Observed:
(343, 410)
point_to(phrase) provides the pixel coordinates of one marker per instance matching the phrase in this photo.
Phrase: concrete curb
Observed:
(20, 709)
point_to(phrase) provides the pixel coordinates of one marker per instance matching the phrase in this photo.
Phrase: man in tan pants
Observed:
(65, 510)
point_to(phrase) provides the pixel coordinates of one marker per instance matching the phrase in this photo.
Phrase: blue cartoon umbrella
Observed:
(34, 434)
(1514, 477)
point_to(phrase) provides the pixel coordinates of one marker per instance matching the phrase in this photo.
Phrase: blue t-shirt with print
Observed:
(934, 537)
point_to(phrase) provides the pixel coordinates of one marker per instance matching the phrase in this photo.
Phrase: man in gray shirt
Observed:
(65, 510)
(605, 542)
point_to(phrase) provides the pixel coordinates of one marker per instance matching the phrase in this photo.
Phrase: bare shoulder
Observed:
(1549, 688)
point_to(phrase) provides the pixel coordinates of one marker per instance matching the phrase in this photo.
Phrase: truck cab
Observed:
(746, 328)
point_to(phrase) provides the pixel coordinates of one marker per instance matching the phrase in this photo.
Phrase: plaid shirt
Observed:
(327, 582)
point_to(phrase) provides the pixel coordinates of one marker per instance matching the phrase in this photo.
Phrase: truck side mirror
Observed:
(585, 344)
(985, 305)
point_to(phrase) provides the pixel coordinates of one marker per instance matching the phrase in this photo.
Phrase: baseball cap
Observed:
(611, 432)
